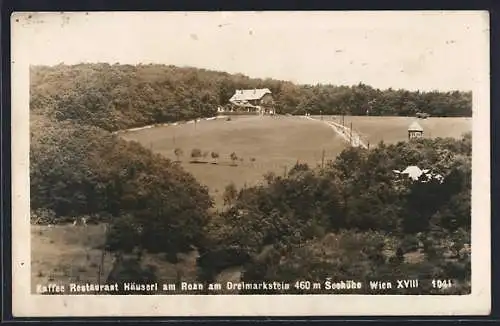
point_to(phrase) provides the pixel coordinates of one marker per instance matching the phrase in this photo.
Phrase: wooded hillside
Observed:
(117, 96)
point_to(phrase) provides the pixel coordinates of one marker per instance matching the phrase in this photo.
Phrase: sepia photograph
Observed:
(250, 163)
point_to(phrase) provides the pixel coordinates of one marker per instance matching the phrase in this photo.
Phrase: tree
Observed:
(130, 270)
(230, 194)
(196, 154)
(298, 167)
(178, 153)
(205, 154)
(233, 158)
(123, 235)
(215, 156)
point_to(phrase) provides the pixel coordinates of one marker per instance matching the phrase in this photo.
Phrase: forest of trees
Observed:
(353, 218)
(118, 96)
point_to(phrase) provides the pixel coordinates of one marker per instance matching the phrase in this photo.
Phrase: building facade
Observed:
(258, 101)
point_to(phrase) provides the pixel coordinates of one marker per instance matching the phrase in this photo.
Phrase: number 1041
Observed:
(441, 284)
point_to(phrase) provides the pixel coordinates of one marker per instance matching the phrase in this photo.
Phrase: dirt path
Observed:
(354, 139)
(169, 124)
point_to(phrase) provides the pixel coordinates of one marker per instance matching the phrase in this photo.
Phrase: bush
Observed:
(233, 157)
(196, 154)
(43, 216)
(410, 243)
(123, 235)
(129, 270)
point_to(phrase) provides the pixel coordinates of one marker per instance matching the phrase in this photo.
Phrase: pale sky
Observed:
(412, 50)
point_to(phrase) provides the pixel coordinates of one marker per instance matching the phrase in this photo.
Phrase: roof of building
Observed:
(249, 94)
(415, 126)
(414, 173)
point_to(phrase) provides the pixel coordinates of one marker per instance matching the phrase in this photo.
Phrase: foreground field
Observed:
(276, 144)
(68, 254)
(65, 253)
(394, 129)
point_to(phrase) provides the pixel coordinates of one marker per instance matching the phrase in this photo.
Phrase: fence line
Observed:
(348, 134)
(166, 124)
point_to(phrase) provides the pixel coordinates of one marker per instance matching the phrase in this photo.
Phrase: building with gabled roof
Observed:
(253, 100)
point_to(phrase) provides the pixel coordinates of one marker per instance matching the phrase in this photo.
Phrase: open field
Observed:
(65, 253)
(276, 143)
(394, 129)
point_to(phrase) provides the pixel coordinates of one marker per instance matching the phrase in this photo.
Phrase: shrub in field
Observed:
(215, 156)
(233, 158)
(196, 154)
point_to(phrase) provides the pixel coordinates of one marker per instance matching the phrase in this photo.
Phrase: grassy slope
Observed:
(394, 129)
(66, 253)
(274, 142)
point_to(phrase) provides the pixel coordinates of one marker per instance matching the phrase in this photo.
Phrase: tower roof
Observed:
(415, 126)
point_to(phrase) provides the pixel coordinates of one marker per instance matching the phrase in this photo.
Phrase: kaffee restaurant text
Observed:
(54, 288)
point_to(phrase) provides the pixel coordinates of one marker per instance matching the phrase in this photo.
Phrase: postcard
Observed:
(332, 163)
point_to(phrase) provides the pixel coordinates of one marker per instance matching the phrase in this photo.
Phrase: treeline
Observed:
(118, 96)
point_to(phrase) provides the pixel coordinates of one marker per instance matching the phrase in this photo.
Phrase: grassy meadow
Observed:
(64, 253)
(394, 129)
(276, 144)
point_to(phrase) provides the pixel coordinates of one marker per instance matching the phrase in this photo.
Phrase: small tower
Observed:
(415, 131)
